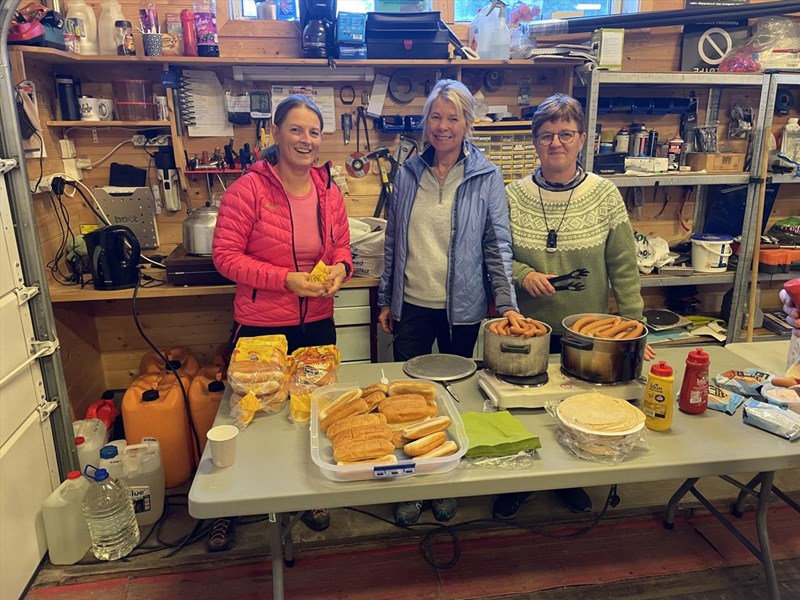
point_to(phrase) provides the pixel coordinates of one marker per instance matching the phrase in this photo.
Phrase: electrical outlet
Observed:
(140, 140)
(67, 149)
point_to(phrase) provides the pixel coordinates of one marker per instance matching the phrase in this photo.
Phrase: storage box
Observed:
(716, 162)
(322, 449)
(406, 36)
(607, 46)
(646, 164)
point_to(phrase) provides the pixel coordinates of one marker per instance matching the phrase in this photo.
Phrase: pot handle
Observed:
(578, 344)
(512, 349)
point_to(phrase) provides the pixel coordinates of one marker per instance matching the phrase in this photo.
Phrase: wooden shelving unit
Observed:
(107, 123)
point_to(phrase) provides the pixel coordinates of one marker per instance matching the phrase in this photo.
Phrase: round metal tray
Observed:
(439, 367)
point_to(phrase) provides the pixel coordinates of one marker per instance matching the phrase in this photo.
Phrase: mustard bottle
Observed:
(658, 403)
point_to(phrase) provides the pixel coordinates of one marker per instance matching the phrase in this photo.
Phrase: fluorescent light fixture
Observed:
(298, 73)
(585, 6)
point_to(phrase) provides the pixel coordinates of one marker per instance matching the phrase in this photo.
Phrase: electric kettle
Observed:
(114, 253)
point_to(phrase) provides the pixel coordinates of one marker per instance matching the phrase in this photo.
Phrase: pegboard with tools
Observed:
(509, 145)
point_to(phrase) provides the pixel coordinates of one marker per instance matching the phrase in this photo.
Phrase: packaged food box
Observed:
(322, 449)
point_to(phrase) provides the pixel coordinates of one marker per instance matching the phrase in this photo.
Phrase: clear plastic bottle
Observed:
(205, 28)
(78, 9)
(108, 509)
(501, 38)
(68, 537)
(790, 139)
(110, 13)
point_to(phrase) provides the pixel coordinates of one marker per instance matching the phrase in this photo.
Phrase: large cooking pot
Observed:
(521, 357)
(198, 230)
(600, 360)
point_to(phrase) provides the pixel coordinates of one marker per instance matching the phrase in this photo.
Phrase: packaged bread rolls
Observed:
(311, 367)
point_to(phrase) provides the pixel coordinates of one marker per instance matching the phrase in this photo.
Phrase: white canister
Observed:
(64, 524)
(710, 252)
(90, 436)
(144, 476)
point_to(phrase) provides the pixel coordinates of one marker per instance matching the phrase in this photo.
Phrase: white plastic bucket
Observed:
(710, 252)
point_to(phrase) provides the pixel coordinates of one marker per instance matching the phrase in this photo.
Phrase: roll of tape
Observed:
(784, 101)
(402, 87)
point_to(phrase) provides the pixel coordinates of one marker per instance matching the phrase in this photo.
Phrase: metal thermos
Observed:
(67, 91)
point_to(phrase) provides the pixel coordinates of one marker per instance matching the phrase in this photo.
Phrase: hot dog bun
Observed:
(427, 427)
(398, 439)
(389, 459)
(362, 450)
(362, 432)
(373, 399)
(376, 387)
(446, 449)
(409, 386)
(425, 444)
(349, 422)
(404, 408)
(339, 401)
(353, 407)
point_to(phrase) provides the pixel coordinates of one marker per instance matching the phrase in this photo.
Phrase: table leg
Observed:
(763, 535)
(738, 508)
(288, 547)
(672, 505)
(276, 553)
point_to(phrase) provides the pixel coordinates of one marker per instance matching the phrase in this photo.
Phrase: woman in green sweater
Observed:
(564, 220)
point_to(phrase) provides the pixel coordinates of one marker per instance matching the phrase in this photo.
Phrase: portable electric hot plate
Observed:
(516, 392)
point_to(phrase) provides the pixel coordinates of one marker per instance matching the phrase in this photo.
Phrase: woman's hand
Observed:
(298, 283)
(649, 352)
(385, 319)
(538, 284)
(792, 311)
(512, 313)
(335, 278)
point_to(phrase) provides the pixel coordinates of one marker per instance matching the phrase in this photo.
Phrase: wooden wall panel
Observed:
(80, 355)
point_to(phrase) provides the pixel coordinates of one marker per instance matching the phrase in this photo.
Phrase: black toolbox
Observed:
(406, 36)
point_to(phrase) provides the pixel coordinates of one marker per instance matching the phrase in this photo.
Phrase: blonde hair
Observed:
(457, 93)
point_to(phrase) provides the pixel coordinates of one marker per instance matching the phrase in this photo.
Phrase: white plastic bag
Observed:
(367, 246)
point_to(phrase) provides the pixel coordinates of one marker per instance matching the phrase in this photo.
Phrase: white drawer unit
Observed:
(354, 328)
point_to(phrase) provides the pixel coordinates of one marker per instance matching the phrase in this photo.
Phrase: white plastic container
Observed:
(110, 13)
(111, 461)
(78, 9)
(710, 252)
(790, 139)
(501, 38)
(68, 538)
(488, 33)
(322, 449)
(108, 509)
(144, 476)
(94, 435)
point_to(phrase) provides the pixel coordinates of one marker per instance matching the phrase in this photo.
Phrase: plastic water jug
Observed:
(205, 394)
(488, 33)
(67, 533)
(151, 362)
(90, 436)
(78, 9)
(144, 476)
(110, 13)
(790, 139)
(153, 406)
(108, 509)
(111, 461)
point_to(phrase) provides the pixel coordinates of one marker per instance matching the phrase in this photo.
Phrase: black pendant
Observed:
(552, 240)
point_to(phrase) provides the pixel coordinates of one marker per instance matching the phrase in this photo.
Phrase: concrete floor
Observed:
(368, 527)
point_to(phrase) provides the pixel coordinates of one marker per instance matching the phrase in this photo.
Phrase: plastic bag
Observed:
(312, 367)
(652, 252)
(519, 461)
(747, 382)
(366, 245)
(773, 46)
(257, 375)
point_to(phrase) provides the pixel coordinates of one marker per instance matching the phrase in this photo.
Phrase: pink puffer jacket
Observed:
(254, 246)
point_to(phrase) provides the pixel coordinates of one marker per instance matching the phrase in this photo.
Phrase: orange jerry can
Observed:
(151, 362)
(154, 406)
(205, 395)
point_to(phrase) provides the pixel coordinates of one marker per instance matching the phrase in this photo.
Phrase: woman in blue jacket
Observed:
(448, 246)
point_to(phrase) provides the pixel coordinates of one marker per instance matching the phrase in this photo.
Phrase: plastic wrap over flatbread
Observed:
(598, 413)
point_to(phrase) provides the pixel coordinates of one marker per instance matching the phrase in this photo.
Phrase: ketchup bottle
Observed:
(693, 398)
(189, 36)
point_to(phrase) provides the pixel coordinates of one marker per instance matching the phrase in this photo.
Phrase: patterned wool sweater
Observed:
(595, 235)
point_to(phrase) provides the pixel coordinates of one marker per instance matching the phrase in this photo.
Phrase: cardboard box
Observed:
(646, 164)
(716, 162)
(607, 45)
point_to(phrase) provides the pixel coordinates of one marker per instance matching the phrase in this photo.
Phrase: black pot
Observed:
(599, 360)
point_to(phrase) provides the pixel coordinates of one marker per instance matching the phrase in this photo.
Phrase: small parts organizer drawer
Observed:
(351, 313)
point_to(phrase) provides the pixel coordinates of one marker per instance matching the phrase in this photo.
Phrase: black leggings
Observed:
(318, 333)
(419, 327)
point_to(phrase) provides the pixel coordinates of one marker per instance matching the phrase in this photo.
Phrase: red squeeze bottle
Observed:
(693, 398)
(189, 36)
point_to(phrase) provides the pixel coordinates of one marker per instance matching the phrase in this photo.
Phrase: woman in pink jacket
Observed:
(274, 224)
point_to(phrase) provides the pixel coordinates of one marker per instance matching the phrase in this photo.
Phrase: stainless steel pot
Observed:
(522, 357)
(198, 230)
(599, 360)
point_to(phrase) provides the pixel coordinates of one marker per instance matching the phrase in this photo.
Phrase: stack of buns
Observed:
(366, 425)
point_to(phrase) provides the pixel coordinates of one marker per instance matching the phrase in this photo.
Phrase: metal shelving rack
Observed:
(714, 83)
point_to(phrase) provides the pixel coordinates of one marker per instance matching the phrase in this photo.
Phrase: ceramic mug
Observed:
(105, 109)
(152, 44)
(89, 108)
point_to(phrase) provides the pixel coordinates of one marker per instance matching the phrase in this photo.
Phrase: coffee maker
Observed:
(317, 18)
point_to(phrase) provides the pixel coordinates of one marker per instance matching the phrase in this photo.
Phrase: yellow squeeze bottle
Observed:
(658, 403)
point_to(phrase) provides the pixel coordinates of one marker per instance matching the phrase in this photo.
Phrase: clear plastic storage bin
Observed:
(322, 449)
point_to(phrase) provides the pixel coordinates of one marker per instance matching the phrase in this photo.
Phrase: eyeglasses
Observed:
(565, 137)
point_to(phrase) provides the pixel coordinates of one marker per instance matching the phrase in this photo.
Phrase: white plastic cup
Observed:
(222, 440)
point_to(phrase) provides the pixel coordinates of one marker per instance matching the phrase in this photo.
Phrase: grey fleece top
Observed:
(429, 231)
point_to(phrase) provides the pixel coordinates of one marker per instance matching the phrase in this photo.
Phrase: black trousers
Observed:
(318, 333)
(415, 333)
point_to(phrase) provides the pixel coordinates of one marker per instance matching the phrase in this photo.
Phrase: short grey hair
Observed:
(558, 107)
(457, 93)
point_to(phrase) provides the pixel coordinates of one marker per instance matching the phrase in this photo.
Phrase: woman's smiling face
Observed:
(445, 127)
(298, 138)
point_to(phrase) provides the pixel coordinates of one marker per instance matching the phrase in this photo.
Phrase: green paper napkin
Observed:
(497, 434)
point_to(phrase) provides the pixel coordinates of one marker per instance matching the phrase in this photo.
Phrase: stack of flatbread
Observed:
(599, 414)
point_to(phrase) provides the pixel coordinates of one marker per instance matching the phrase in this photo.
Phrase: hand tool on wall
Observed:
(357, 165)
(347, 126)
(381, 154)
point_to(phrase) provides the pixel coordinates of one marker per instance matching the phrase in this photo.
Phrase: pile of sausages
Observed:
(516, 327)
(611, 328)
